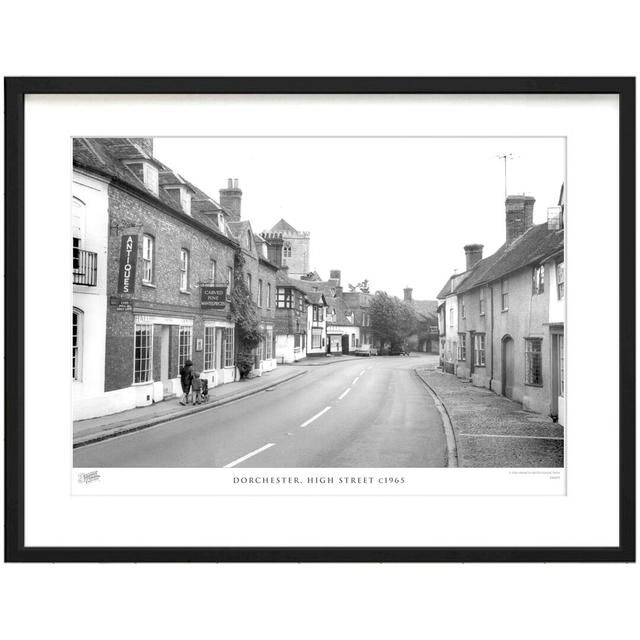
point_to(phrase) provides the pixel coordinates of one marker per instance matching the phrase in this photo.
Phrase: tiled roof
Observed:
(426, 308)
(536, 244)
(316, 297)
(105, 155)
(282, 226)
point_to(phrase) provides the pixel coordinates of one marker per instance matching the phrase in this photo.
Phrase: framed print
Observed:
(320, 319)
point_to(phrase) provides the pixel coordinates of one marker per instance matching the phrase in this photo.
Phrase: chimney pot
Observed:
(473, 254)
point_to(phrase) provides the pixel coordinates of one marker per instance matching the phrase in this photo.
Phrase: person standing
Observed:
(186, 380)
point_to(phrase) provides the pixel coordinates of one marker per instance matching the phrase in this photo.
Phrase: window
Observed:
(151, 177)
(560, 279)
(284, 298)
(209, 348)
(538, 279)
(76, 345)
(184, 345)
(221, 222)
(316, 338)
(479, 350)
(505, 294)
(462, 346)
(249, 282)
(533, 361)
(561, 364)
(268, 344)
(259, 293)
(184, 270)
(76, 254)
(451, 317)
(228, 347)
(268, 295)
(229, 280)
(353, 339)
(185, 201)
(249, 240)
(317, 313)
(147, 258)
(300, 301)
(286, 251)
(213, 267)
(462, 309)
(482, 305)
(142, 364)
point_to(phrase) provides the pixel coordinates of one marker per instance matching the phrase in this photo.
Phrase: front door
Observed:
(507, 367)
(167, 387)
(345, 343)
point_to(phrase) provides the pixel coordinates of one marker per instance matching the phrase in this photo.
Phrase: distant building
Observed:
(502, 320)
(291, 324)
(295, 247)
(426, 337)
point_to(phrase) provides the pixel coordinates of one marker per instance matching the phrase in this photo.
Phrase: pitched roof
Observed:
(105, 156)
(535, 245)
(426, 308)
(282, 226)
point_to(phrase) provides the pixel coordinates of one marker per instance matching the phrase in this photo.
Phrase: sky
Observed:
(397, 211)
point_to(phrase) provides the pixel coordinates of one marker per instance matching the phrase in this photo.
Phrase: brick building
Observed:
(504, 316)
(169, 267)
(426, 337)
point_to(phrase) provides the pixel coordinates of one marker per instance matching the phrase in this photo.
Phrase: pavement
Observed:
(103, 427)
(493, 431)
(364, 412)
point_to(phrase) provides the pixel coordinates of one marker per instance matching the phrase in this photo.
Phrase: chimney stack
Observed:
(473, 253)
(335, 274)
(338, 291)
(519, 215)
(408, 294)
(231, 198)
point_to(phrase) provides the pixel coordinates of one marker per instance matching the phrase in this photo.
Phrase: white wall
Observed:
(92, 301)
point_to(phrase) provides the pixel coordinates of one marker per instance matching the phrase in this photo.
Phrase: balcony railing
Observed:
(85, 267)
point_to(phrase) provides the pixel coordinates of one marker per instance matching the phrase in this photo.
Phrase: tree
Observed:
(362, 286)
(392, 319)
(244, 312)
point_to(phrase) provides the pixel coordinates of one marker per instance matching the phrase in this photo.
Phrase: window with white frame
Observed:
(269, 344)
(451, 317)
(504, 288)
(560, 279)
(209, 348)
(259, 293)
(286, 251)
(184, 345)
(147, 258)
(284, 298)
(212, 271)
(221, 222)
(228, 347)
(482, 301)
(143, 353)
(229, 280)
(479, 350)
(462, 346)
(533, 361)
(151, 177)
(184, 269)
(316, 338)
(538, 279)
(76, 344)
(317, 313)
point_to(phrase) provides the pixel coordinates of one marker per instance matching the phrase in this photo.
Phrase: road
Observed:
(370, 412)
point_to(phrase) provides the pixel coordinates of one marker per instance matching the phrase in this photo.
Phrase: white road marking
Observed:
(310, 420)
(249, 455)
(496, 435)
(355, 380)
(344, 393)
(371, 367)
(362, 372)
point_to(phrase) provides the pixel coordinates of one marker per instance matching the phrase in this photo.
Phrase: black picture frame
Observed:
(15, 91)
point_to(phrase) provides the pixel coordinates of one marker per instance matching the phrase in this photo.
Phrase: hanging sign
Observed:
(127, 268)
(213, 297)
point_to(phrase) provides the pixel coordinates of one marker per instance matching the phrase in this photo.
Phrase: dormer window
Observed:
(221, 221)
(181, 194)
(146, 172)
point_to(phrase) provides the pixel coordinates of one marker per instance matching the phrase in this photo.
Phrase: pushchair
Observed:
(204, 389)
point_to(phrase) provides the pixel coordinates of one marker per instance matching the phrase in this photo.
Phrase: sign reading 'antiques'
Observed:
(213, 297)
(127, 268)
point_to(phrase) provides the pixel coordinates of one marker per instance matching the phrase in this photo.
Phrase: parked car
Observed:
(366, 350)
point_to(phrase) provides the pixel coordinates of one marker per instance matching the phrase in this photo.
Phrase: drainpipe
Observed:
(492, 344)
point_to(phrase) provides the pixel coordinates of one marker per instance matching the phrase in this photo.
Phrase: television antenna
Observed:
(505, 157)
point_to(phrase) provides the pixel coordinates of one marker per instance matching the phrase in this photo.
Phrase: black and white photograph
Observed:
(361, 302)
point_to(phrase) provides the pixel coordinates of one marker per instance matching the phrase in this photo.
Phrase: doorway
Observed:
(507, 367)
(167, 387)
(345, 343)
